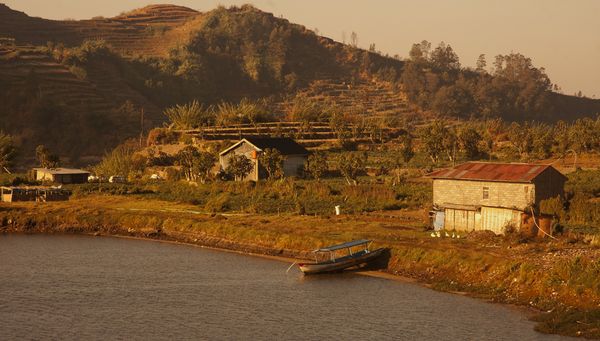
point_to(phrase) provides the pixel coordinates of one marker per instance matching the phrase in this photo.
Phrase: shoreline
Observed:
(493, 270)
(369, 273)
(528, 312)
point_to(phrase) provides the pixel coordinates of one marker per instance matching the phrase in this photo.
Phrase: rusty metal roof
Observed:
(487, 171)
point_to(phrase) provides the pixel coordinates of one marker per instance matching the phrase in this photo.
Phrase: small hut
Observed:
(60, 175)
(294, 154)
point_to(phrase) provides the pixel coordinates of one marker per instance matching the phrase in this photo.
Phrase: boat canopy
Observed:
(344, 245)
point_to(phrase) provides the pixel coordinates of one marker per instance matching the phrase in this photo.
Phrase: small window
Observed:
(486, 192)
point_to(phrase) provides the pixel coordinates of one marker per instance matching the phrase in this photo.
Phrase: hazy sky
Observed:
(562, 36)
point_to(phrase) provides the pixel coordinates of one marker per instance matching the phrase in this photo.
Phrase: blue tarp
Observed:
(438, 220)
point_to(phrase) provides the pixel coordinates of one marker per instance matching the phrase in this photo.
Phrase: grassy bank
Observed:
(558, 276)
(281, 196)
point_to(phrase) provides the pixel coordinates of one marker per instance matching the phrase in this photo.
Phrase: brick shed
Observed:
(491, 196)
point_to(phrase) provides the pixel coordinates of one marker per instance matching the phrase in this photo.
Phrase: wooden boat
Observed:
(357, 258)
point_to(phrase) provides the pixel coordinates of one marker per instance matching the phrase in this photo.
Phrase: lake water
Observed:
(78, 287)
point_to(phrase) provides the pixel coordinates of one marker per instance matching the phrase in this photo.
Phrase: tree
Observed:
(376, 128)
(438, 139)
(583, 135)
(196, 165)
(562, 142)
(444, 59)
(525, 88)
(406, 148)
(120, 161)
(272, 161)
(190, 116)
(432, 137)
(46, 158)
(520, 137)
(450, 143)
(239, 166)
(481, 64)
(419, 52)
(338, 125)
(492, 129)
(469, 139)
(542, 136)
(7, 151)
(204, 163)
(419, 84)
(454, 100)
(354, 39)
(316, 165)
(403, 155)
(351, 165)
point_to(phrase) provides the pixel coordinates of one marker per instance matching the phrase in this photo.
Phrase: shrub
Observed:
(239, 166)
(316, 165)
(159, 136)
(272, 161)
(219, 203)
(246, 111)
(79, 72)
(351, 165)
(121, 161)
(190, 116)
(555, 207)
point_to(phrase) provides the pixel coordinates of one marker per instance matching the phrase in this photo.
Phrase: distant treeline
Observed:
(500, 140)
(513, 90)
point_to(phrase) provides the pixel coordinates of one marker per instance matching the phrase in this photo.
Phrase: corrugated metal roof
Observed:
(487, 171)
(62, 170)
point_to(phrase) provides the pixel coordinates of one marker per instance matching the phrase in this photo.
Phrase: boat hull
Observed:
(335, 266)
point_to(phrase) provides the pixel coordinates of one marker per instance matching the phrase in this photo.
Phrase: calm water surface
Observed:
(76, 287)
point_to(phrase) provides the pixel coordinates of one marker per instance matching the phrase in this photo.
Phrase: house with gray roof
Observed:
(294, 154)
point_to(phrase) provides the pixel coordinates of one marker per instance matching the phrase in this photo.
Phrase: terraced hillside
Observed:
(162, 55)
(151, 31)
(308, 133)
(30, 69)
(24, 64)
(371, 98)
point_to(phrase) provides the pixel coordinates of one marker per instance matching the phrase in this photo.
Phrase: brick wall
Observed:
(500, 194)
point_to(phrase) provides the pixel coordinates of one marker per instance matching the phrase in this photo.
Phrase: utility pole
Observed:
(141, 126)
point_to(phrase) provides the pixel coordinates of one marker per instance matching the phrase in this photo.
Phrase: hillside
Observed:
(80, 86)
(100, 73)
(152, 30)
